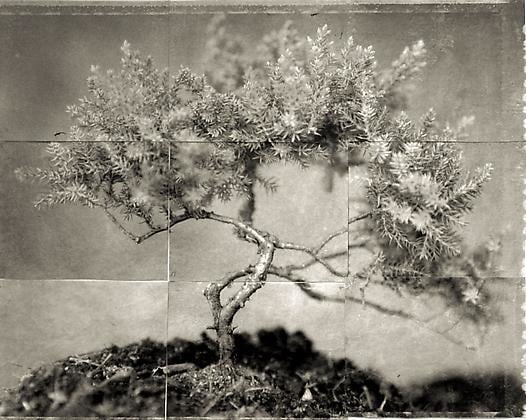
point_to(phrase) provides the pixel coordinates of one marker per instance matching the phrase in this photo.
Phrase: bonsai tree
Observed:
(156, 149)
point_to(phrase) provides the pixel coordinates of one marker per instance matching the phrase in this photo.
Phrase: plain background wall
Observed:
(474, 68)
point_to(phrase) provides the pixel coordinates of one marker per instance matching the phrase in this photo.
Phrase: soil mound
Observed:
(276, 374)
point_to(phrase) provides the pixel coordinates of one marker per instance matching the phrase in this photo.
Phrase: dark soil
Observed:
(277, 374)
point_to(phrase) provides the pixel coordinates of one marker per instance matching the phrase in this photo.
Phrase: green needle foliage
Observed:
(147, 143)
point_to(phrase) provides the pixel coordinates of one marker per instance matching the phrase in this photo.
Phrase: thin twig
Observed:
(329, 256)
(359, 217)
(315, 251)
(174, 220)
(329, 238)
(138, 239)
(312, 253)
(119, 225)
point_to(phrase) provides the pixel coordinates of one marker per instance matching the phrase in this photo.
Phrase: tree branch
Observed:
(291, 246)
(359, 217)
(114, 220)
(315, 251)
(329, 238)
(335, 254)
(138, 239)
(260, 236)
(173, 221)
(263, 237)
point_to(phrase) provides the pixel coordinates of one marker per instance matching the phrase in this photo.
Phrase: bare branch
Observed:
(332, 255)
(173, 221)
(260, 236)
(129, 234)
(329, 238)
(359, 217)
(138, 239)
(352, 220)
(315, 251)
(263, 237)
(295, 247)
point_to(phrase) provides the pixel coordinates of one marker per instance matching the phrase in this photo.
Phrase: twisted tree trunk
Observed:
(255, 277)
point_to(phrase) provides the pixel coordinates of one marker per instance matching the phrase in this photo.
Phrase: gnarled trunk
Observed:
(255, 277)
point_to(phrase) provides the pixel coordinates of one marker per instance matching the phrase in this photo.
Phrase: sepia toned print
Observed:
(262, 211)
